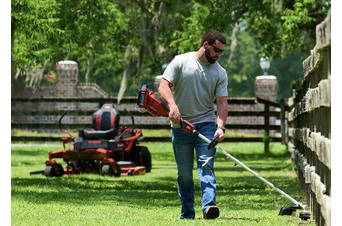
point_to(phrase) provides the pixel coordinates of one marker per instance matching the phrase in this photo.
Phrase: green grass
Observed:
(152, 199)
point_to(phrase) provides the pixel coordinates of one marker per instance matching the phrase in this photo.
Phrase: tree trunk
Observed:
(35, 75)
(234, 43)
(90, 65)
(132, 61)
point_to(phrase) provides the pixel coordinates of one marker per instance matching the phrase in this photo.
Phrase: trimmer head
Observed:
(289, 210)
(304, 215)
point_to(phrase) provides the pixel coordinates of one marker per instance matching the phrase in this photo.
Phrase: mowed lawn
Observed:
(152, 199)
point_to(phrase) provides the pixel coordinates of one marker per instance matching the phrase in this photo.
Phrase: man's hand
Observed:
(222, 112)
(174, 114)
(220, 133)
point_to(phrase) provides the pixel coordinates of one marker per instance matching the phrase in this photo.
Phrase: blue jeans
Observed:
(183, 146)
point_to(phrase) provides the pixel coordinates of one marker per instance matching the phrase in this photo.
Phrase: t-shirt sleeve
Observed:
(222, 86)
(172, 70)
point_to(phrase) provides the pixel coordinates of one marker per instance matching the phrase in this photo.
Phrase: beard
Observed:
(209, 58)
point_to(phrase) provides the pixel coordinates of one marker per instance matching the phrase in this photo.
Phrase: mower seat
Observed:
(100, 134)
(106, 118)
(105, 129)
(105, 124)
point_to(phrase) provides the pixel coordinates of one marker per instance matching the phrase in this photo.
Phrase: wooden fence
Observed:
(43, 115)
(309, 126)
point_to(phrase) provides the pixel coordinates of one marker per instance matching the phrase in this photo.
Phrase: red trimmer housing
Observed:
(151, 103)
(157, 107)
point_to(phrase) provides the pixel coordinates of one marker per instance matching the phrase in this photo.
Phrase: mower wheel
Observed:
(107, 170)
(61, 170)
(50, 172)
(144, 158)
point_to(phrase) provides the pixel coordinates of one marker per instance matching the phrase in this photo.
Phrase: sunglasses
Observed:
(217, 49)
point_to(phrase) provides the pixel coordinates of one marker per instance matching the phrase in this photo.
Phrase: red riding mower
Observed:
(108, 149)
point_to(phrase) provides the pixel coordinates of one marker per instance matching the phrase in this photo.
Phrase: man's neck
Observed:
(201, 56)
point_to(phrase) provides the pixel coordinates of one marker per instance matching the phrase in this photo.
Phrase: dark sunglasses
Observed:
(217, 49)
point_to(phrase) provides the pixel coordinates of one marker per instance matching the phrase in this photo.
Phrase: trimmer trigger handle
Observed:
(213, 142)
(187, 126)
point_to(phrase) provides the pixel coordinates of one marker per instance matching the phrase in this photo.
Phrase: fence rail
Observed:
(38, 114)
(146, 139)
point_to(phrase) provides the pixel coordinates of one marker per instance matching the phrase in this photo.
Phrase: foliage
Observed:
(35, 34)
(243, 67)
(282, 27)
(200, 17)
(125, 43)
(266, 137)
(152, 199)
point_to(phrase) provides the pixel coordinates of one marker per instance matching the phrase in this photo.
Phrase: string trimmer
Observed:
(150, 103)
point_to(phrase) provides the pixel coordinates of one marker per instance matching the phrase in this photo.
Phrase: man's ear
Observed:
(205, 44)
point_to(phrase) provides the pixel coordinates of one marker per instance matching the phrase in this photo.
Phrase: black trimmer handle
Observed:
(213, 143)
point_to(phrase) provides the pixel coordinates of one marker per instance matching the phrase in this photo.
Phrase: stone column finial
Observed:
(67, 72)
(265, 87)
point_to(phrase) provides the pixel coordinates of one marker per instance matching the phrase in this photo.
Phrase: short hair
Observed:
(211, 36)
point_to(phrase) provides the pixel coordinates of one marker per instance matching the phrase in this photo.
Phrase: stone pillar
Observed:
(66, 79)
(156, 84)
(265, 87)
(67, 72)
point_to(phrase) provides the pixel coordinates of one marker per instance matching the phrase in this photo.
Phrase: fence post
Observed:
(267, 129)
(282, 122)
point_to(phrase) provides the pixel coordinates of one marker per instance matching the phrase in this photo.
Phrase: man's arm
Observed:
(221, 118)
(167, 96)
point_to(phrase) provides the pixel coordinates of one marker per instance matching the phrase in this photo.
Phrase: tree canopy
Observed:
(122, 44)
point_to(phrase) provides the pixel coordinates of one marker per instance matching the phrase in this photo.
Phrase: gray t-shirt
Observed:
(196, 85)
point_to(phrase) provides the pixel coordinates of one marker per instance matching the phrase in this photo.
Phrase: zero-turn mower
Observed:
(107, 149)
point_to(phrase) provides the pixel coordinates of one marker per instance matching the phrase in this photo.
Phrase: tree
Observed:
(284, 27)
(97, 30)
(284, 30)
(243, 65)
(119, 44)
(280, 27)
(35, 36)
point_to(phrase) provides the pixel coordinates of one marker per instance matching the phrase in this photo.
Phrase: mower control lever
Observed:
(64, 131)
(213, 142)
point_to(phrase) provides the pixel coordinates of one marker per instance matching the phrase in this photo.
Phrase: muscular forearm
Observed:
(221, 118)
(166, 93)
(167, 96)
(222, 111)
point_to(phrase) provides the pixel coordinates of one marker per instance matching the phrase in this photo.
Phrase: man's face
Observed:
(213, 52)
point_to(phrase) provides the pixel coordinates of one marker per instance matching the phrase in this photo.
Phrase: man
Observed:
(197, 80)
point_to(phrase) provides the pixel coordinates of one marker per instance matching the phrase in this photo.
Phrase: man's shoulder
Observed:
(220, 68)
(186, 56)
